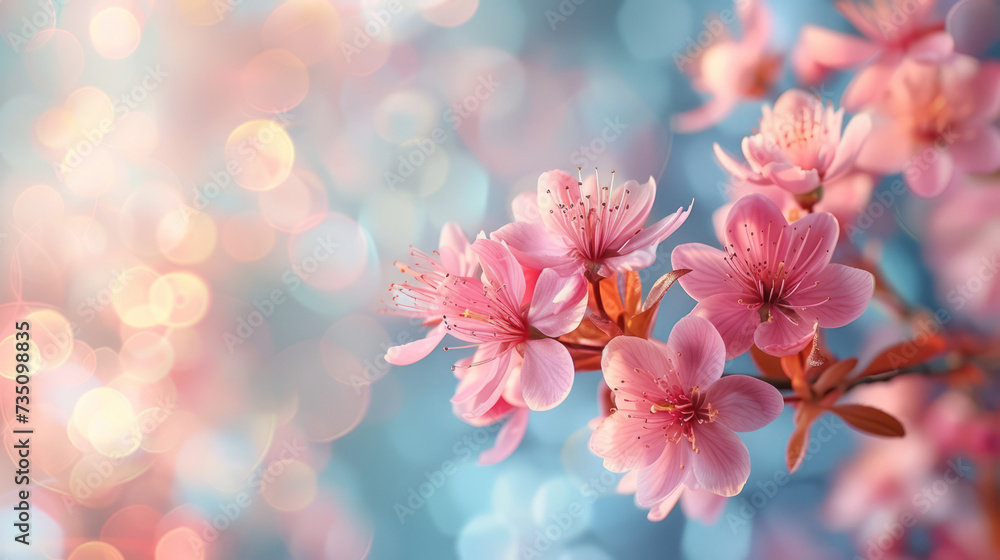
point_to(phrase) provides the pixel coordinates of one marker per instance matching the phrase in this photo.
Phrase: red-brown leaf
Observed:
(833, 375)
(798, 443)
(870, 420)
(661, 286)
(905, 354)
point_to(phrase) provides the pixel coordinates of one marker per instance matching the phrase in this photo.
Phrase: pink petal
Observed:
(782, 335)
(661, 510)
(624, 357)
(479, 391)
(558, 304)
(508, 438)
(706, 116)
(634, 201)
(834, 49)
(752, 213)
(500, 268)
(627, 484)
(661, 478)
(703, 505)
(722, 465)
(869, 83)
(537, 247)
(735, 322)
(850, 144)
(640, 251)
(978, 150)
(735, 168)
(791, 177)
(933, 48)
(546, 374)
(932, 175)
(456, 251)
(744, 403)
(554, 188)
(846, 292)
(887, 148)
(807, 245)
(709, 274)
(697, 351)
(411, 352)
(624, 443)
(525, 208)
(756, 21)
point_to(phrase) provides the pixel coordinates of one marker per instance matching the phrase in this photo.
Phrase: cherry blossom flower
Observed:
(773, 282)
(730, 70)
(935, 123)
(894, 31)
(675, 413)
(500, 317)
(575, 226)
(799, 146)
(696, 502)
(454, 257)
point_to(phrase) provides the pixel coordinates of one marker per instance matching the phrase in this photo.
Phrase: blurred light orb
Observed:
(153, 220)
(146, 356)
(105, 417)
(556, 501)
(52, 337)
(182, 543)
(366, 40)
(275, 81)
(259, 154)
(90, 233)
(115, 33)
(185, 236)
(54, 60)
(132, 530)
(405, 114)
(248, 237)
(487, 537)
(38, 204)
(654, 29)
(448, 13)
(292, 489)
(296, 204)
(309, 29)
(205, 12)
(179, 299)
(95, 550)
(22, 22)
(90, 177)
(135, 136)
(132, 303)
(391, 218)
(331, 255)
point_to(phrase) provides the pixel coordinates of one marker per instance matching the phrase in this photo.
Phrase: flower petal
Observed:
(806, 246)
(640, 251)
(869, 83)
(841, 294)
(932, 180)
(735, 168)
(791, 177)
(557, 304)
(661, 478)
(710, 275)
(744, 403)
(546, 374)
(535, 246)
(696, 351)
(851, 143)
(631, 366)
(735, 322)
(705, 116)
(978, 150)
(752, 212)
(501, 270)
(933, 48)
(482, 384)
(722, 464)
(525, 208)
(662, 509)
(703, 505)
(625, 443)
(783, 335)
(508, 438)
(411, 352)
(834, 49)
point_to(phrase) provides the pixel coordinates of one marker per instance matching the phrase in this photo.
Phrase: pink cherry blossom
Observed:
(894, 31)
(773, 282)
(730, 70)
(505, 322)
(573, 226)
(799, 146)
(675, 413)
(935, 123)
(696, 502)
(510, 408)
(454, 257)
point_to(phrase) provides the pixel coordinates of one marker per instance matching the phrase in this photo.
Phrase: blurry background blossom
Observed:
(201, 201)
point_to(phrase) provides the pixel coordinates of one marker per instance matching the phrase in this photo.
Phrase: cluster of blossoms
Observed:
(557, 291)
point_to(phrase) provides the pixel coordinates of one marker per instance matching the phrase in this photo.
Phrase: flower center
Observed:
(683, 410)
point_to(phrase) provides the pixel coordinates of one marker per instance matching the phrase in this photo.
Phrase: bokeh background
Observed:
(201, 204)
